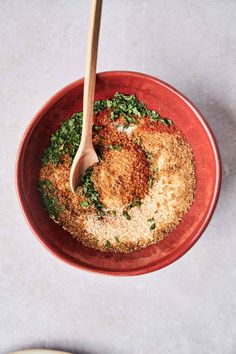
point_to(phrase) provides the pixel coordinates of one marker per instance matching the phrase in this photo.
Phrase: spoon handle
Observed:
(90, 73)
(86, 155)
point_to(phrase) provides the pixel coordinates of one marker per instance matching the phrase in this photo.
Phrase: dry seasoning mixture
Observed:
(139, 190)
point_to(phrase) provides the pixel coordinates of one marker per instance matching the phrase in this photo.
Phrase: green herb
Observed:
(84, 204)
(113, 212)
(129, 107)
(150, 182)
(112, 116)
(129, 119)
(65, 140)
(117, 239)
(154, 117)
(114, 147)
(126, 215)
(97, 127)
(153, 226)
(150, 220)
(151, 178)
(99, 106)
(149, 155)
(50, 202)
(166, 121)
(90, 193)
(109, 103)
(155, 170)
(135, 202)
(126, 125)
(138, 141)
(108, 244)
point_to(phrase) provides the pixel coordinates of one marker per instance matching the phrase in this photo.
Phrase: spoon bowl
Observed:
(86, 158)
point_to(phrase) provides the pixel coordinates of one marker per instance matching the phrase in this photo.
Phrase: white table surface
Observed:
(188, 307)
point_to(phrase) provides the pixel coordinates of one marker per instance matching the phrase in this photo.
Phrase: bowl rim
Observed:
(187, 244)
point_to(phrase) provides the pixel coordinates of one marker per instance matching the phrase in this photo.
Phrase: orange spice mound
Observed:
(122, 176)
(123, 173)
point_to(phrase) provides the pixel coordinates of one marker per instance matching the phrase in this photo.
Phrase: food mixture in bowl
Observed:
(139, 190)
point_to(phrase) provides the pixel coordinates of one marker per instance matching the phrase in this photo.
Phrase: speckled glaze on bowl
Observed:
(169, 103)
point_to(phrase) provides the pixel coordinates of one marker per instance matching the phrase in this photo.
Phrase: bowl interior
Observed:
(169, 103)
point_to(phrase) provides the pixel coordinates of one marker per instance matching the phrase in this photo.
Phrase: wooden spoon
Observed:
(86, 155)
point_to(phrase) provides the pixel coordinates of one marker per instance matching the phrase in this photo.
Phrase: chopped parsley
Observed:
(128, 107)
(150, 220)
(152, 227)
(108, 244)
(90, 193)
(154, 117)
(50, 202)
(126, 215)
(148, 155)
(138, 141)
(84, 204)
(150, 182)
(166, 121)
(114, 147)
(99, 106)
(97, 127)
(151, 178)
(65, 140)
(136, 202)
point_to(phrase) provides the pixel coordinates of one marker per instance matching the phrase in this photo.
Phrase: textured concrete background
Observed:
(188, 307)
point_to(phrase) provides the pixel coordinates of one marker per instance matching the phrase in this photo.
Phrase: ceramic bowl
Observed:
(168, 102)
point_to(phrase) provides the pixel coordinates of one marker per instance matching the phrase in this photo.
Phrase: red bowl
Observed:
(168, 102)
